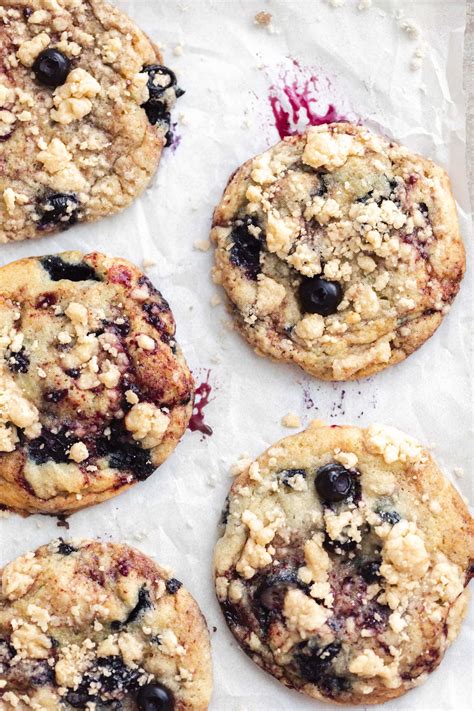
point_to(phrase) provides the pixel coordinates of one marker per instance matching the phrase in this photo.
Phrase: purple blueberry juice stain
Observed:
(202, 399)
(300, 97)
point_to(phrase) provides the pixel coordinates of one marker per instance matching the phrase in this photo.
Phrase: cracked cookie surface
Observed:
(84, 113)
(94, 391)
(339, 251)
(343, 562)
(89, 625)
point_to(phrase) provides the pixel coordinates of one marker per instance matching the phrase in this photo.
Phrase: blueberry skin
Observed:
(334, 483)
(51, 67)
(319, 296)
(155, 697)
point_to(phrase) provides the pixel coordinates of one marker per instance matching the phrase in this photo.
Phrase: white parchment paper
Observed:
(224, 67)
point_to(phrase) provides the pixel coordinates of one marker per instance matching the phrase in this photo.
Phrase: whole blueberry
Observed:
(51, 67)
(334, 483)
(155, 697)
(319, 296)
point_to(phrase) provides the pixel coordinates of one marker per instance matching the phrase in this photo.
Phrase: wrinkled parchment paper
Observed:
(173, 515)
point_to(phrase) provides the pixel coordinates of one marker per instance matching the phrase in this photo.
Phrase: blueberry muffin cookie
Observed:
(339, 251)
(89, 625)
(94, 390)
(84, 113)
(343, 562)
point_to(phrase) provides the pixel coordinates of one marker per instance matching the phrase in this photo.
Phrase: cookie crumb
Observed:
(458, 472)
(364, 4)
(178, 50)
(216, 300)
(291, 420)
(263, 19)
(202, 245)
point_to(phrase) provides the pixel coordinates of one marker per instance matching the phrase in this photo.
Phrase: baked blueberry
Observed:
(173, 585)
(370, 571)
(246, 249)
(287, 475)
(19, 362)
(58, 269)
(334, 483)
(58, 209)
(155, 697)
(319, 296)
(51, 67)
(143, 603)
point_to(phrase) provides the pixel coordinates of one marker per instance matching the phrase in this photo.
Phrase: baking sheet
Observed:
(226, 63)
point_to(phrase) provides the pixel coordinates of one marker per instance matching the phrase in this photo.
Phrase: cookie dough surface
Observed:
(343, 562)
(339, 251)
(87, 145)
(89, 625)
(94, 390)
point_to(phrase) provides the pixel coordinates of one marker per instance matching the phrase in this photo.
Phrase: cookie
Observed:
(89, 625)
(94, 390)
(343, 562)
(339, 251)
(84, 113)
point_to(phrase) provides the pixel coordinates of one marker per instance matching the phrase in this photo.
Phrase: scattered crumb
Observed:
(4, 513)
(337, 3)
(264, 19)
(291, 420)
(364, 4)
(417, 58)
(408, 26)
(458, 472)
(178, 50)
(216, 300)
(148, 263)
(183, 119)
(202, 245)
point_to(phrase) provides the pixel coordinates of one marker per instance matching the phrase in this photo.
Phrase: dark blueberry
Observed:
(55, 395)
(319, 296)
(58, 208)
(271, 593)
(73, 372)
(225, 512)
(233, 615)
(58, 269)
(365, 197)
(314, 662)
(338, 547)
(51, 446)
(133, 457)
(287, 475)
(334, 482)
(122, 328)
(333, 686)
(31, 672)
(155, 697)
(160, 79)
(19, 362)
(389, 516)
(245, 250)
(143, 603)
(65, 548)
(153, 311)
(423, 207)
(173, 585)
(46, 300)
(51, 67)
(110, 680)
(370, 571)
(124, 453)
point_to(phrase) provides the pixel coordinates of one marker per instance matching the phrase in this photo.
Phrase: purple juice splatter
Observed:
(300, 98)
(202, 395)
